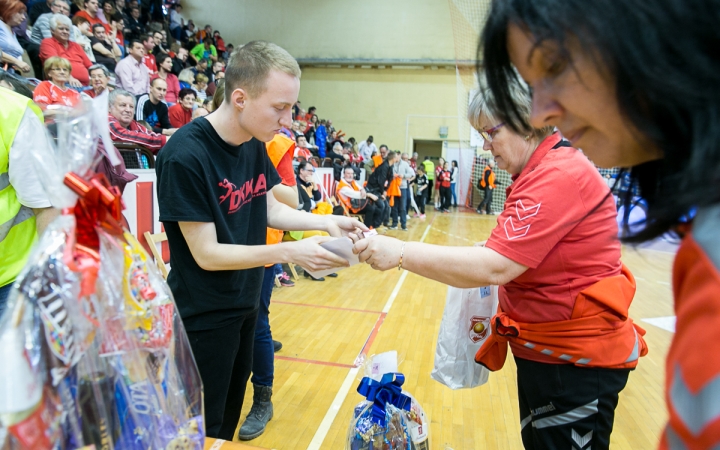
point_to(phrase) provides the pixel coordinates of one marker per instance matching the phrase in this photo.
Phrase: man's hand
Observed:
(381, 252)
(74, 82)
(308, 254)
(372, 197)
(340, 226)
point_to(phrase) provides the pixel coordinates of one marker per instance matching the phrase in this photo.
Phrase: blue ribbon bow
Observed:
(387, 390)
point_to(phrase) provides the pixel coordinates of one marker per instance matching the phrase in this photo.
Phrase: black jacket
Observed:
(380, 179)
(304, 197)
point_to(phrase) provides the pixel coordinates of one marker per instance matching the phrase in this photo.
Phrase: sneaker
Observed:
(392, 227)
(446, 211)
(285, 280)
(404, 228)
(422, 216)
(408, 217)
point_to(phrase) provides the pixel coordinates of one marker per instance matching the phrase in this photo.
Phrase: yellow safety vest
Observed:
(17, 222)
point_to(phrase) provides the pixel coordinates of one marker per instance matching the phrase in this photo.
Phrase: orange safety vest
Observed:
(491, 179)
(598, 334)
(345, 200)
(692, 367)
(276, 149)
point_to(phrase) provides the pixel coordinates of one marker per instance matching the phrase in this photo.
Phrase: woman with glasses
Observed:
(55, 90)
(612, 78)
(563, 292)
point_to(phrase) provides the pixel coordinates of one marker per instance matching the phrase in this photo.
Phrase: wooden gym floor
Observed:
(324, 326)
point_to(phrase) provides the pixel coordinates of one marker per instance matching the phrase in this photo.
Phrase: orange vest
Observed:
(692, 367)
(276, 149)
(393, 190)
(598, 334)
(491, 179)
(377, 160)
(346, 201)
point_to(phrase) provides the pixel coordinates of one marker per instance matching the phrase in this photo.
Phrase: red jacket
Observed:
(692, 367)
(136, 134)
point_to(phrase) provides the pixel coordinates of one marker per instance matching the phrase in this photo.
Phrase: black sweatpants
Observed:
(224, 357)
(563, 406)
(445, 197)
(487, 201)
(369, 212)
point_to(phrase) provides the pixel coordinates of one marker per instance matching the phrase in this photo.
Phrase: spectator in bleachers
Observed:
(117, 23)
(164, 63)
(149, 59)
(55, 91)
(189, 30)
(99, 80)
(59, 45)
(177, 22)
(12, 14)
(181, 113)
(105, 13)
(180, 61)
(121, 8)
(301, 142)
(219, 44)
(152, 109)
(200, 67)
(131, 74)
(201, 82)
(205, 50)
(366, 149)
(318, 128)
(134, 27)
(203, 34)
(81, 35)
(104, 47)
(186, 78)
(90, 12)
(38, 9)
(337, 153)
(355, 198)
(122, 126)
(218, 70)
(160, 43)
(308, 192)
(41, 29)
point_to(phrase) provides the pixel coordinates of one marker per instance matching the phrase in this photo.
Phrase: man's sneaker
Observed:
(446, 211)
(408, 217)
(285, 280)
(277, 346)
(404, 228)
(392, 227)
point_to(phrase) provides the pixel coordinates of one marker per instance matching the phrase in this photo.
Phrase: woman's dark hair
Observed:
(19, 86)
(666, 83)
(454, 163)
(185, 92)
(161, 58)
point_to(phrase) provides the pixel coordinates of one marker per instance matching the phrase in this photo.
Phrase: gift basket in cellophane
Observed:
(389, 418)
(92, 350)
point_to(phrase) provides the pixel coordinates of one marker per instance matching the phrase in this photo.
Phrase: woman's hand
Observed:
(340, 226)
(22, 66)
(74, 82)
(381, 252)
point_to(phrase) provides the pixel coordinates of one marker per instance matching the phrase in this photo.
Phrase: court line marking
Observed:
(338, 308)
(371, 338)
(313, 361)
(344, 390)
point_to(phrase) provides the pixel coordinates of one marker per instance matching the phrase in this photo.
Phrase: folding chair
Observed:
(152, 240)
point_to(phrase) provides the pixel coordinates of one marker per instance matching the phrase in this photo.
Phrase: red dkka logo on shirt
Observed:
(242, 196)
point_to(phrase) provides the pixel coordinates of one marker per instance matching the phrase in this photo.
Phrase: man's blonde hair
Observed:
(250, 65)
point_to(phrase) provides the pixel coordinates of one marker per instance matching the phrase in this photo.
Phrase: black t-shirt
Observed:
(99, 57)
(201, 178)
(155, 115)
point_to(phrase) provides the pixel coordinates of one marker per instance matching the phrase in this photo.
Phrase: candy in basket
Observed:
(389, 418)
(94, 352)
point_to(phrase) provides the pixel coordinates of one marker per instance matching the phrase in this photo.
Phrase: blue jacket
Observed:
(321, 140)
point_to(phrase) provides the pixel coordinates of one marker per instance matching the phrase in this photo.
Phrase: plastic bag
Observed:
(99, 353)
(464, 328)
(389, 418)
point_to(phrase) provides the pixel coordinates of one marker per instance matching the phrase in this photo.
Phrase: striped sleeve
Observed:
(136, 134)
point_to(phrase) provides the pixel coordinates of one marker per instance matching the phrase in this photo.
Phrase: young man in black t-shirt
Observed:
(151, 108)
(215, 192)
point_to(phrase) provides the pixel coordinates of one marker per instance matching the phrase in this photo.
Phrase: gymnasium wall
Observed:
(381, 102)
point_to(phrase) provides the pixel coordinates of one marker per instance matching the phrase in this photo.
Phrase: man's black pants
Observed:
(224, 357)
(369, 212)
(565, 407)
(487, 201)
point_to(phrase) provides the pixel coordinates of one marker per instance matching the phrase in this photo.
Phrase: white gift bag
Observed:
(464, 328)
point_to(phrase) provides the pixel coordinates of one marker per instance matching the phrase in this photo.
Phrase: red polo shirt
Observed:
(73, 52)
(559, 220)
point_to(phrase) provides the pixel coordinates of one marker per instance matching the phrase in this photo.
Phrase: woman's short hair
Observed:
(250, 65)
(187, 76)
(59, 19)
(56, 62)
(184, 92)
(482, 105)
(9, 8)
(100, 67)
(201, 78)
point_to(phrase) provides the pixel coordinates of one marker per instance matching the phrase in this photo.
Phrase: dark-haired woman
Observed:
(164, 65)
(612, 78)
(564, 294)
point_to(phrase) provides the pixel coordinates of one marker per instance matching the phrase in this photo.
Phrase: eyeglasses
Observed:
(490, 134)
(59, 69)
(309, 170)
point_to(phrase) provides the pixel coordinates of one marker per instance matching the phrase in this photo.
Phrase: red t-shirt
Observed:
(92, 20)
(50, 94)
(178, 115)
(73, 53)
(559, 220)
(149, 61)
(445, 176)
(120, 39)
